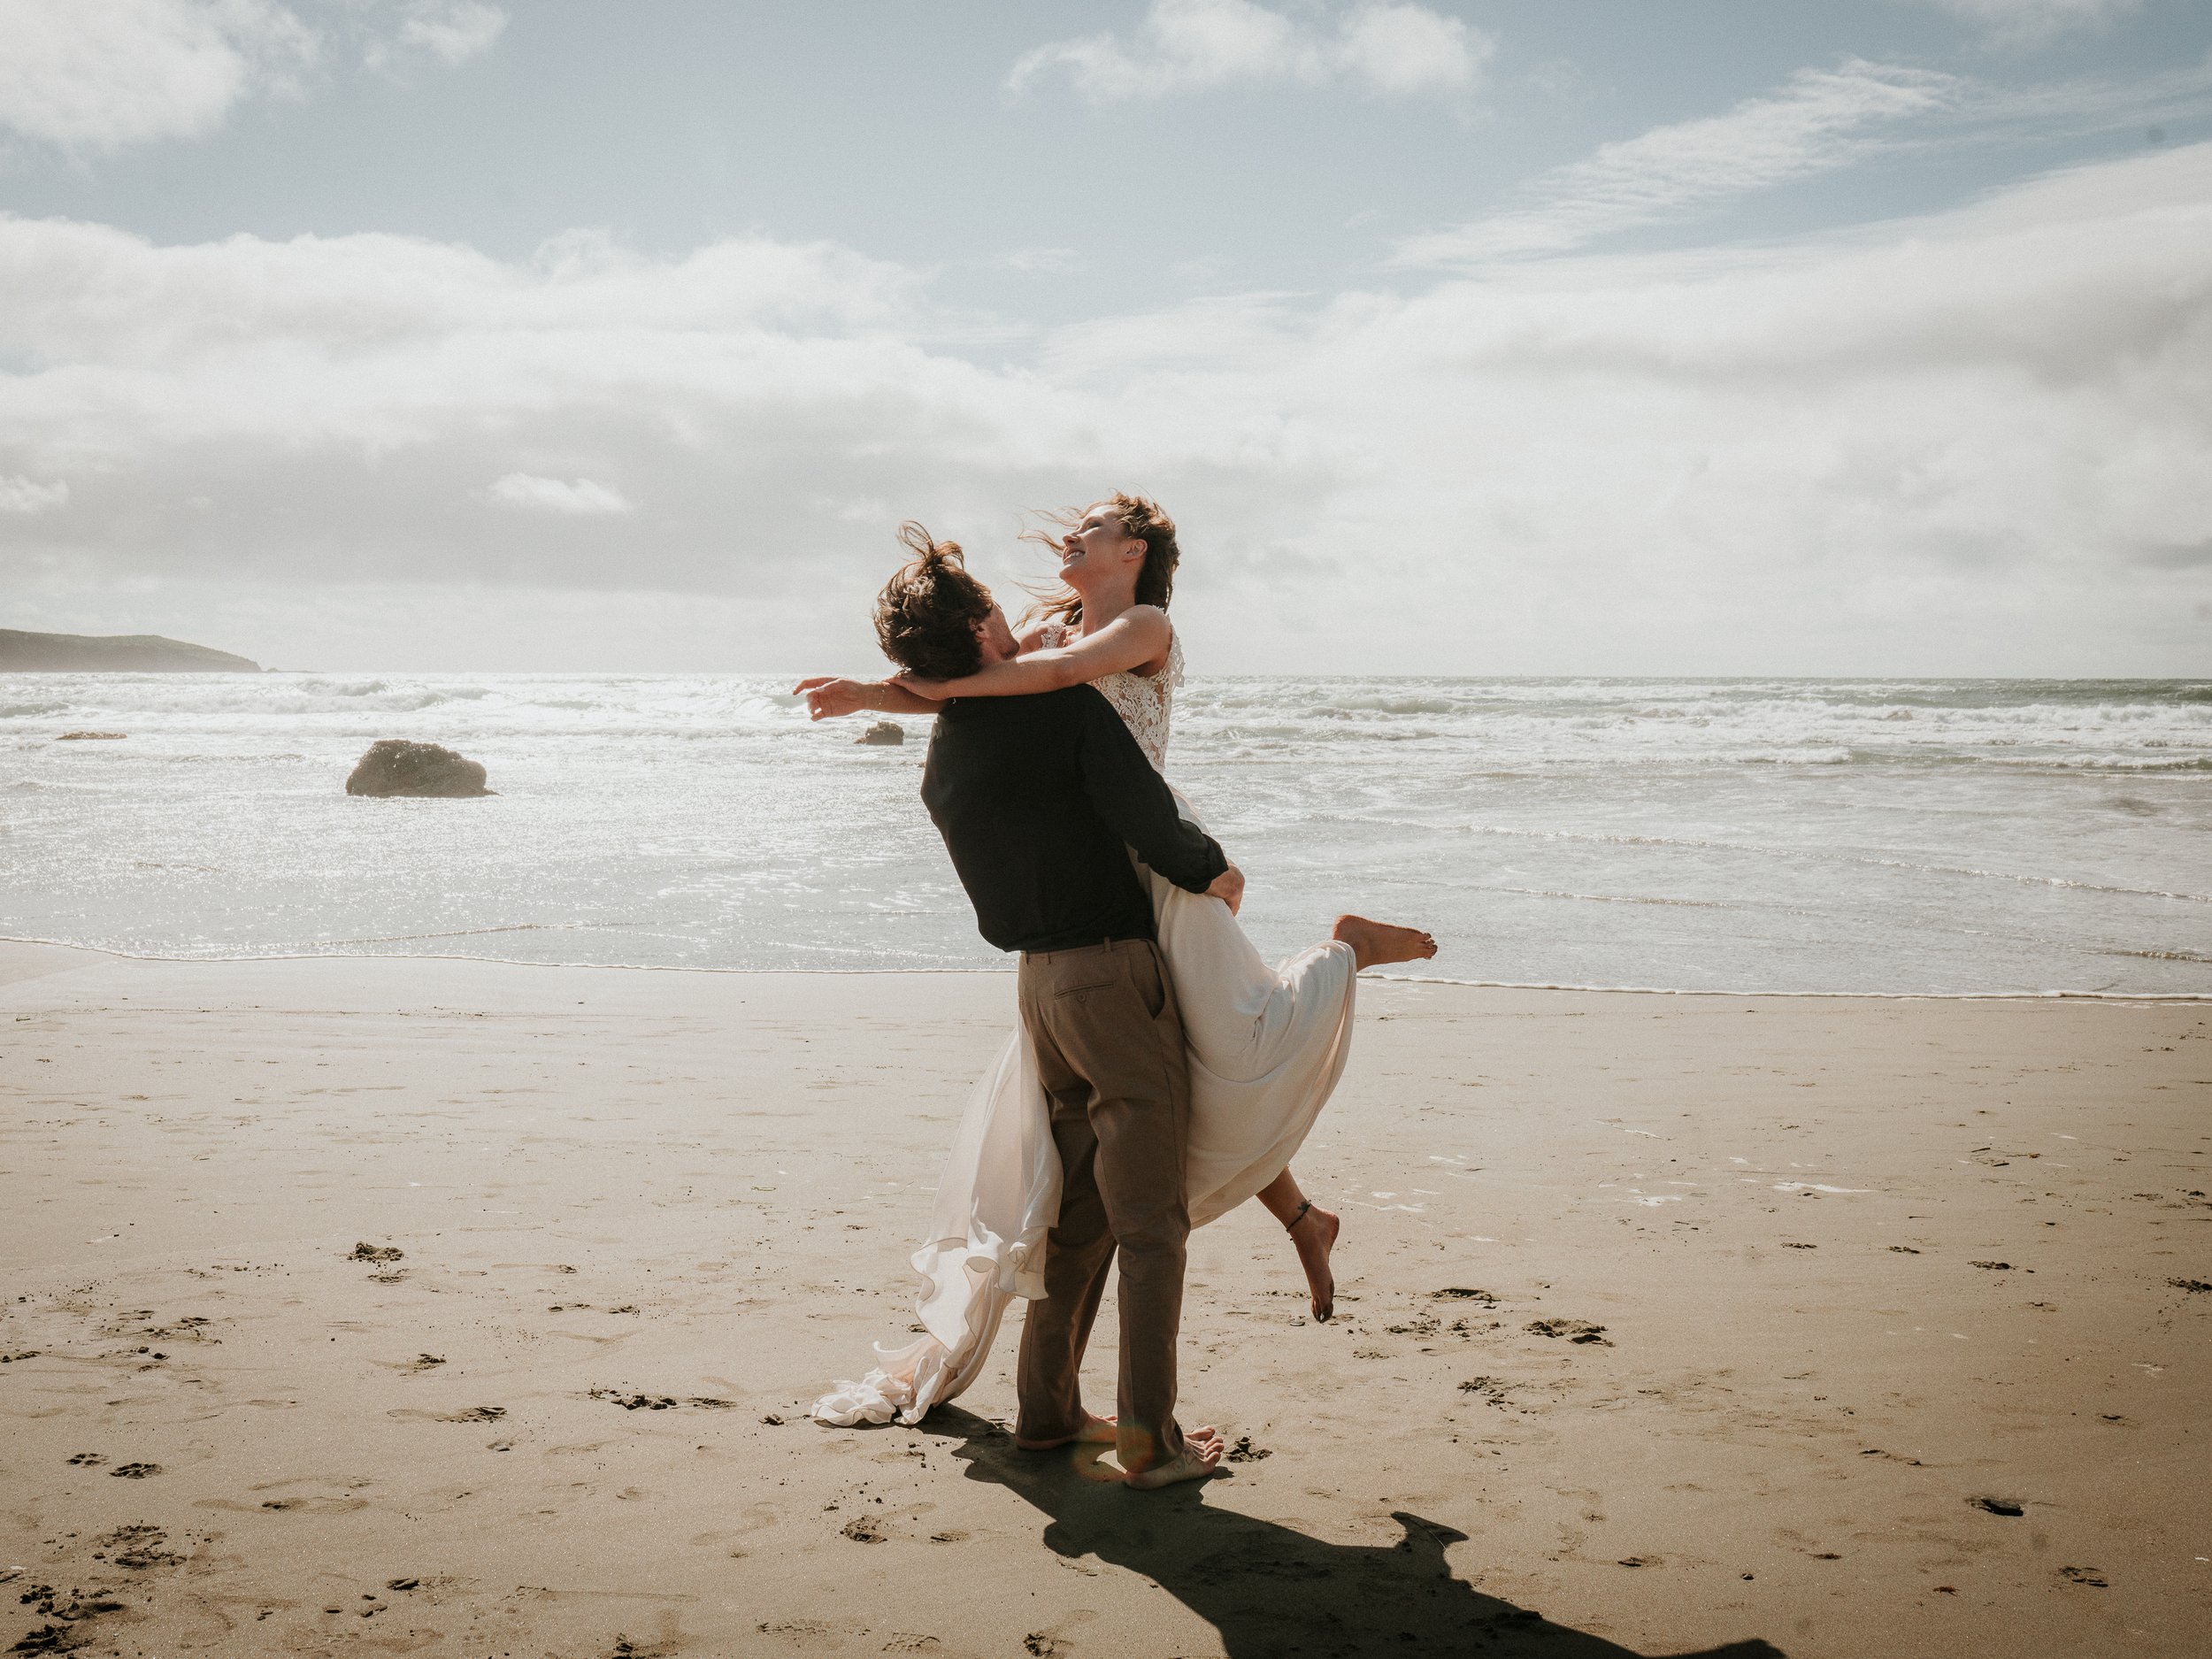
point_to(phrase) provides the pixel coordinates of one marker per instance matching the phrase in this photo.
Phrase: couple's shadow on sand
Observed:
(1268, 1589)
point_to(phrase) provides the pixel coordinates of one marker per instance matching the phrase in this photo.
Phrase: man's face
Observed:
(995, 638)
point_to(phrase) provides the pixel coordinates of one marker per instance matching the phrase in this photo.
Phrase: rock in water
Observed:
(883, 732)
(91, 737)
(395, 766)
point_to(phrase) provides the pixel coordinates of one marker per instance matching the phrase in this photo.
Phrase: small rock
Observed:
(883, 733)
(393, 766)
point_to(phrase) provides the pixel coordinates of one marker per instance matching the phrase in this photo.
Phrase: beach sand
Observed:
(461, 1308)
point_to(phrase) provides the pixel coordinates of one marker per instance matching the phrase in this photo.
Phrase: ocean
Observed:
(1880, 837)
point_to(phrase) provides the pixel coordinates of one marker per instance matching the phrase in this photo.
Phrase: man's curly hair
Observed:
(925, 615)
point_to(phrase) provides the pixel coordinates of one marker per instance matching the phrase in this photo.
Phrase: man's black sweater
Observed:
(1038, 798)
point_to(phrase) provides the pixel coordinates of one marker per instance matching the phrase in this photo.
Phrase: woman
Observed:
(1267, 1045)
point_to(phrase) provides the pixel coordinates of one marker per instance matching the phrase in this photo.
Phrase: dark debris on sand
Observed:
(1573, 1329)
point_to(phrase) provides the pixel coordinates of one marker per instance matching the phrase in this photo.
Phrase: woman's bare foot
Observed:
(1096, 1432)
(1375, 944)
(1314, 1234)
(1201, 1453)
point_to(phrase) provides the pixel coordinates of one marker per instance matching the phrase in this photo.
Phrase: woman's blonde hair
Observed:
(1140, 516)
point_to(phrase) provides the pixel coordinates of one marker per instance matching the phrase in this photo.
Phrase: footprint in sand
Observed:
(1573, 1329)
(136, 1548)
(88, 1460)
(134, 1471)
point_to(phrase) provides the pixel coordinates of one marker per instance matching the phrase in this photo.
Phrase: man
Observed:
(1038, 799)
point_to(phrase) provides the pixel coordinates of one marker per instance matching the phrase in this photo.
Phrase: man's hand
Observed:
(827, 696)
(1228, 887)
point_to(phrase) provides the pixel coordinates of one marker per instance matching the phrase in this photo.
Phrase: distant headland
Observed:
(113, 653)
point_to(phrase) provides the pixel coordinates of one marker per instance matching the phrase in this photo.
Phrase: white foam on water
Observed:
(1871, 838)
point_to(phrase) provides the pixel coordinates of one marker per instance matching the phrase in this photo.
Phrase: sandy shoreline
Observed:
(1858, 1263)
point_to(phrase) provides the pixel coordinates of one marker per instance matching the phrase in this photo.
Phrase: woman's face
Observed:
(1098, 545)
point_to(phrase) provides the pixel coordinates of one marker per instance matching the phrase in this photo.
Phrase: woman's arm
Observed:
(827, 696)
(1139, 635)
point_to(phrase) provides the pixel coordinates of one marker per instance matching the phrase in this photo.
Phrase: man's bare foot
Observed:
(1375, 944)
(1096, 1430)
(1314, 1234)
(1201, 1453)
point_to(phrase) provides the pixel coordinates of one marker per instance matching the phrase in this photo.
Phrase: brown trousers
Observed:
(1109, 1053)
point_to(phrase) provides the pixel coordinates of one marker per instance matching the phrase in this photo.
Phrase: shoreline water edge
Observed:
(1823, 837)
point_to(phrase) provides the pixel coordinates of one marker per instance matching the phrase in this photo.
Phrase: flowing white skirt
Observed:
(1267, 1046)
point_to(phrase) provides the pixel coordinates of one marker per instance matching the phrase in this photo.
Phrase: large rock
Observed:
(114, 653)
(395, 766)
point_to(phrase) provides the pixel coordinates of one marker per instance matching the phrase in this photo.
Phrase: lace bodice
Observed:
(1146, 704)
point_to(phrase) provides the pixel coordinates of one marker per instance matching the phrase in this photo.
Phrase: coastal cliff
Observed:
(113, 653)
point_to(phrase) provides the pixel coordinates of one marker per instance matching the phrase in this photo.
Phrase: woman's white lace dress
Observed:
(1266, 1047)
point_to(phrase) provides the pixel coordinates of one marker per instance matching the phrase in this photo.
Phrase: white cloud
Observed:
(95, 75)
(453, 30)
(1818, 121)
(2035, 22)
(98, 75)
(1969, 443)
(28, 496)
(578, 498)
(1189, 45)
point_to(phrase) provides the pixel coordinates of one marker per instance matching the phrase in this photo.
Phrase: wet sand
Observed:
(462, 1308)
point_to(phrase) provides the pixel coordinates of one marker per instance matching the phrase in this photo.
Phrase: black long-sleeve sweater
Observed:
(1038, 799)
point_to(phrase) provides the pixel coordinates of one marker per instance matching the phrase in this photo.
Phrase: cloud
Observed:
(1191, 46)
(1820, 120)
(452, 30)
(98, 76)
(95, 75)
(2035, 22)
(1969, 442)
(578, 498)
(28, 496)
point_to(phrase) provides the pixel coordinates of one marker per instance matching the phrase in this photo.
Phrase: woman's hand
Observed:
(1228, 887)
(828, 696)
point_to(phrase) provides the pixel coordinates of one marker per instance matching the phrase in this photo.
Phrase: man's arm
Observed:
(1136, 802)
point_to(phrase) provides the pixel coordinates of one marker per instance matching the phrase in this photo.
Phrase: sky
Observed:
(1498, 337)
